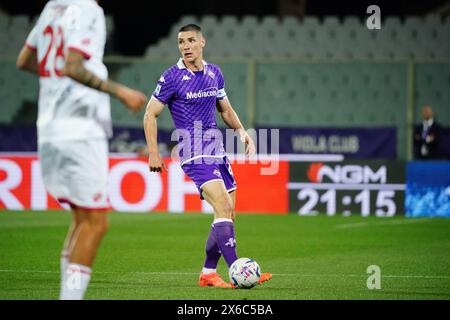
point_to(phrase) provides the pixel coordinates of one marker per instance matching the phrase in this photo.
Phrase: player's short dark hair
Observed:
(190, 27)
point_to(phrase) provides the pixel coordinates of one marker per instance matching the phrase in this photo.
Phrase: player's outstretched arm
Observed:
(27, 60)
(74, 68)
(153, 110)
(231, 119)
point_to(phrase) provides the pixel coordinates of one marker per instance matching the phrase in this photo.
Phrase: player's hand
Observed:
(155, 163)
(250, 149)
(132, 99)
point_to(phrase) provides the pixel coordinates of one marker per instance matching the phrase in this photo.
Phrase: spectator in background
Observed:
(426, 136)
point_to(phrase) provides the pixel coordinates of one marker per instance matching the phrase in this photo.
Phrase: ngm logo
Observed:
(354, 174)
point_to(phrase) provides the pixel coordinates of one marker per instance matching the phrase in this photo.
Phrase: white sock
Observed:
(208, 270)
(75, 283)
(64, 261)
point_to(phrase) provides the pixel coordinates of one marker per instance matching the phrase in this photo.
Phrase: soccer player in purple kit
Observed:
(193, 89)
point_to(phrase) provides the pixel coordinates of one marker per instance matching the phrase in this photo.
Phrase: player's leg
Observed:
(65, 253)
(86, 188)
(88, 235)
(218, 197)
(213, 251)
(215, 194)
(233, 199)
(230, 184)
(69, 243)
(209, 181)
(52, 160)
(209, 275)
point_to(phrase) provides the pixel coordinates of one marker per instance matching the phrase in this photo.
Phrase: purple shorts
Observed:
(211, 169)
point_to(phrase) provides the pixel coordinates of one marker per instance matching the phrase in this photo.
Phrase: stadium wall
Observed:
(132, 188)
(302, 185)
(280, 94)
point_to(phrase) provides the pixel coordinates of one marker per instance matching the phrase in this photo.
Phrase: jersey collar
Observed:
(181, 65)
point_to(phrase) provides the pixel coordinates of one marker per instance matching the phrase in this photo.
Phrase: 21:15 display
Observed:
(384, 203)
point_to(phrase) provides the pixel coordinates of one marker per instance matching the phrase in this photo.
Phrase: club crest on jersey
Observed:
(97, 197)
(86, 41)
(217, 172)
(211, 74)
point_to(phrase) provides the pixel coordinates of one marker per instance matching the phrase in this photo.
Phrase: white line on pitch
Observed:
(380, 223)
(275, 274)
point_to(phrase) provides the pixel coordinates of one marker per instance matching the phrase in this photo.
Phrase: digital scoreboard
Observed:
(348, 188)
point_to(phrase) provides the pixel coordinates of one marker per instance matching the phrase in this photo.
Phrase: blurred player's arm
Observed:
(74, 68)
(153, 110)
(231, 119)
(27, 60)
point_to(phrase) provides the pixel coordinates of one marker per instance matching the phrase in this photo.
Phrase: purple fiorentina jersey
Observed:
(191, 97)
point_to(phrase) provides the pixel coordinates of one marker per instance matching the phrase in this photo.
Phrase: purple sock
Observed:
(226, 241)
(212, 250)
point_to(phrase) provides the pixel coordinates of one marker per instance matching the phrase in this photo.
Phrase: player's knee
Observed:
(100, 225)
(79, 217)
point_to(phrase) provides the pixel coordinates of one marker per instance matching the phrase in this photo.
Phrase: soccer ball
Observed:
(244, 273)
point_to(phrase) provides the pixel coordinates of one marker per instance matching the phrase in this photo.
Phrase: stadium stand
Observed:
(16, 90)
(432, 87)
(313, 39)
(15, 29)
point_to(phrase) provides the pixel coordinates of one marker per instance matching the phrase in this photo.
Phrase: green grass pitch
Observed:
(159, 256)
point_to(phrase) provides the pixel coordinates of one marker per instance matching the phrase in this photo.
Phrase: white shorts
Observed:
(76, 172)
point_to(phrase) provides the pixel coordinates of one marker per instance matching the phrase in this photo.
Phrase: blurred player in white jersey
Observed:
(65, 48)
